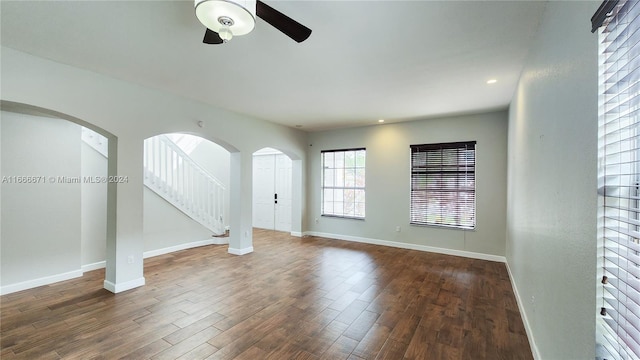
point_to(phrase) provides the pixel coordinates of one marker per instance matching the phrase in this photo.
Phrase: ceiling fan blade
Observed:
(211, 37)
(282, 22)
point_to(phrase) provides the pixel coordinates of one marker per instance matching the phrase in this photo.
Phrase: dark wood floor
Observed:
(293, 298)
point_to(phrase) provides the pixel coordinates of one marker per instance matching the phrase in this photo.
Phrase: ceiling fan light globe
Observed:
(242, 12)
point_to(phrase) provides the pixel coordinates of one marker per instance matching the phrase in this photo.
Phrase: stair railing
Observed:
(174, 176)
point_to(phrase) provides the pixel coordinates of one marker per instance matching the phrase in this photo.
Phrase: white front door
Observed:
(272, 192)
(283, 193)
(263, 191)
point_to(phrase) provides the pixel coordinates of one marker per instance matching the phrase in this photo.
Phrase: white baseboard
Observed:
(127, 285)
(94, 266)
(523, 315)
(218, 241)
(433, 249)
(296, 233)
(241, 251)
(167, 250)
(115, 288)
(30, 284)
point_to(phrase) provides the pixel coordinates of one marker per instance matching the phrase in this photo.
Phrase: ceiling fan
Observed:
(225, 19)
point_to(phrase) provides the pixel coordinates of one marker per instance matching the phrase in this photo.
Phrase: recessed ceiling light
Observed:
(381, 121)
(492, 81)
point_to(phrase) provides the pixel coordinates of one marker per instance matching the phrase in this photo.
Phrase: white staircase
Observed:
(175, 177)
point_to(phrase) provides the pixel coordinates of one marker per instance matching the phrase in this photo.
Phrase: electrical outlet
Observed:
(317, 221)
(397, 228)
(130, 259)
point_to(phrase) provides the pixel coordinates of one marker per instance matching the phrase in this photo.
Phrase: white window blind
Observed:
(343, 183)
(443, 184)
(619, 181)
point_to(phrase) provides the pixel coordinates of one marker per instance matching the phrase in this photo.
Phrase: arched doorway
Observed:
(186, 193)
(55, 220)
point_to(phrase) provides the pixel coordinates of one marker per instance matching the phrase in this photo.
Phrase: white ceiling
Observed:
(365, 60)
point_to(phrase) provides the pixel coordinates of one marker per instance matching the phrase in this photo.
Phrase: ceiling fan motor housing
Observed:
(215, 14)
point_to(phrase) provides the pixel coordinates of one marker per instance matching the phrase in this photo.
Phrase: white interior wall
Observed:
(93, 206)
(388, 179)
(128, 114)
(41, 222)
(551, 217)
(165, 226)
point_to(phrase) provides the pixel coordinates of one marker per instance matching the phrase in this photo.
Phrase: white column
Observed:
(240, 187)
(124, 263)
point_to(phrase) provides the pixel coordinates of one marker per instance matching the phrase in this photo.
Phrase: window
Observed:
(618, 325)
(343, 183)
(443, 185)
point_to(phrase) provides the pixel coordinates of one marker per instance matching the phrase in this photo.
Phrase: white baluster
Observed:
(174, 176)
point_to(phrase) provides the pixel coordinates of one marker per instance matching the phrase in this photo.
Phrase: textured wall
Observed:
(551, 215)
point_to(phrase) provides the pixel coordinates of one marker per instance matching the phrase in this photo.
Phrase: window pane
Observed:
(328, 194)
(359, 178)
(349, 208)
(349, 178)
(327, 207)
(339, 159)
(328, 160)
(359, 209)
(349, 159)
(343, 183)
(360, 158)
(338, 208)
(349, 195)
(339, 178)
(338, 194)
(329, 177)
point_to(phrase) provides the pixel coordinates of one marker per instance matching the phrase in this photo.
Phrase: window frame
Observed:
(355, 188)
(419, 208)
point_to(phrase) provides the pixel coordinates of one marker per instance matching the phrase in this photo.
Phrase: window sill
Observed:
(343, 217)
(447, 227)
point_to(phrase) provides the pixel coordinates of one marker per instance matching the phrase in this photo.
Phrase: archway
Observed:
(64, 191)
(186, 193)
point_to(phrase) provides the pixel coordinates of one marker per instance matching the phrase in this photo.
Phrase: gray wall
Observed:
(551, 217)
(387, 181)
(40, 222)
